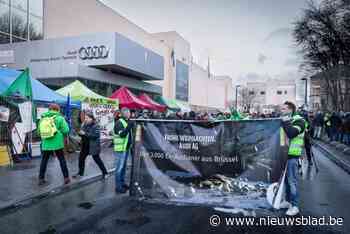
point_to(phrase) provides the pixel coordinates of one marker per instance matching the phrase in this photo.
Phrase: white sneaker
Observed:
(285, 205)
(292, 211)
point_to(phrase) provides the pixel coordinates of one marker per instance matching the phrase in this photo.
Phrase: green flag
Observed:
(22, 86)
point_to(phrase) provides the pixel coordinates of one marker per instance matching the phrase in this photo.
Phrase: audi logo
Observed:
(93, 52)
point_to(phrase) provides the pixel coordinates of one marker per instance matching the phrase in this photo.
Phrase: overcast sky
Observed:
(246, 39)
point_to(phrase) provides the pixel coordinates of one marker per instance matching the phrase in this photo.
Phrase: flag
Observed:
(68, 111)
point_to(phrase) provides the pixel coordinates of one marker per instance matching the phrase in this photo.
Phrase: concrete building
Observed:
(271, 93)
(156, 63)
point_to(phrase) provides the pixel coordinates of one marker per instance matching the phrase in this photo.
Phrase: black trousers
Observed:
(97, 159)
(45, 159)
(308, 152)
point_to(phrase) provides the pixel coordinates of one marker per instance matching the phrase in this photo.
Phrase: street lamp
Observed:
(305, 102)
(237, 86)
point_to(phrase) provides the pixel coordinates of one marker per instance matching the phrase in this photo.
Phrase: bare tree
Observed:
(323, 36)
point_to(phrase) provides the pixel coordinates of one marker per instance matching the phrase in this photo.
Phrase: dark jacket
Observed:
(91, 139)
(335, 121)
(318, 121)
(123, 132)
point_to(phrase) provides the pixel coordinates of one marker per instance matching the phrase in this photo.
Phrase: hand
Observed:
(81, 132)
(286, 118)
(131, 124)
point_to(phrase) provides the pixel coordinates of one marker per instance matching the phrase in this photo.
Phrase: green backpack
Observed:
(47, 127)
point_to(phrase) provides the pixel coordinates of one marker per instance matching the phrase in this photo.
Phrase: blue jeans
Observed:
(347, 138)
(120, 169)
(291, 182)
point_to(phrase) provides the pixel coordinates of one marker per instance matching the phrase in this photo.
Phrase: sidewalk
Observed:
(337, 152)
(19, 183)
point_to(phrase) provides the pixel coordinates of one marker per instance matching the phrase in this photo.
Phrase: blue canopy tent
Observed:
(41, 93)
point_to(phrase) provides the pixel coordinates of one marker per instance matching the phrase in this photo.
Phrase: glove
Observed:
(131, 124)
(286, 118)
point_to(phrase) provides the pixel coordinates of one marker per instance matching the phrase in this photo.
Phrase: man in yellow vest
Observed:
(122, 141)
(294, 127)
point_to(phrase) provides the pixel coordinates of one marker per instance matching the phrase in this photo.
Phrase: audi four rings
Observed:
(93, 52)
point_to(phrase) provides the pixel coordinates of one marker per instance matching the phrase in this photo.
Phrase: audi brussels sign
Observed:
(93, 52)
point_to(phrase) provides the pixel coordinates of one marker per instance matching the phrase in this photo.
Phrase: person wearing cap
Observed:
(90, 144)
(122, 141)
(52, 129)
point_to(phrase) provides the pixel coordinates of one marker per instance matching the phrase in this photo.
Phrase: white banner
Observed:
(104, 114)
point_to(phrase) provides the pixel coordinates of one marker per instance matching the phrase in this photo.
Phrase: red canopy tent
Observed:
(158, 107)
(128, 99)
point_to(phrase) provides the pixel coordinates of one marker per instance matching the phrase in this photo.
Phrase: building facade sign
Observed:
(93, 52)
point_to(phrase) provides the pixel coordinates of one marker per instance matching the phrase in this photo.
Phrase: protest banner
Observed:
(194, 162)
(103, 111)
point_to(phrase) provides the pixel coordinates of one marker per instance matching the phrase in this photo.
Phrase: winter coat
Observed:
(92, 135)
(57, 141)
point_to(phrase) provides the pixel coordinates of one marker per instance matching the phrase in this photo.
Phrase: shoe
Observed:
(126, 186)
(105, 176)
(66, 180)
(123, 190)
(285, 205)
(292, 211)
(77, 176)
(42, 182)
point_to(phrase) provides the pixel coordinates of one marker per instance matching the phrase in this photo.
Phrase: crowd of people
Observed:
(329, 126)
(298, 125)
(180, 115)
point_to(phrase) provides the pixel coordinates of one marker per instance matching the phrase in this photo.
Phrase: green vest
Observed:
(120, 143)
(296, 144)
(327, 120)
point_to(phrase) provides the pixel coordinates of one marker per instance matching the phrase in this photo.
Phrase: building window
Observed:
(182, 76)
(4, 38)
(285, 91)
(19, 23)
(279, 92)
(251, 92)
(14, 24)
(4, 17)
(262, 93)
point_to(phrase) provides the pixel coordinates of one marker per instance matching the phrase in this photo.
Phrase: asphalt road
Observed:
(95, 208)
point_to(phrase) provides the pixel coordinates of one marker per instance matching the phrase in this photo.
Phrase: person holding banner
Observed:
(122, 141)
(90, 144)
(294, 127)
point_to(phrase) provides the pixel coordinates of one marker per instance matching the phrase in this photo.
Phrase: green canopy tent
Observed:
(170, 103)
(79, 92)
(22, 86)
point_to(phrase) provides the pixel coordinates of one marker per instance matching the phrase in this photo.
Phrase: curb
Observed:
(35, 198)
(333, 157)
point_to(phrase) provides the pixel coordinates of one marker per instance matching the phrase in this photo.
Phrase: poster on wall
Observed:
(18, 136)
(104, 113)
(4, 114)
(25, 110)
